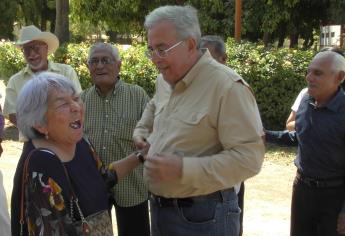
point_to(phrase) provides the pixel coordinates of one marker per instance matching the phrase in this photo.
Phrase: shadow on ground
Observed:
(10, 132)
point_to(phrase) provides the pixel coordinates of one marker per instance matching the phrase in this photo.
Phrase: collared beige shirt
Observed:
(17, 81)
(211, 119)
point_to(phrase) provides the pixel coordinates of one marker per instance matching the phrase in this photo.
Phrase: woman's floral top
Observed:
(46, 209)
(47, 206)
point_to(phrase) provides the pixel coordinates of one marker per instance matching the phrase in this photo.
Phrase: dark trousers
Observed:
(240, 196)
(132, 220)
(314, 211)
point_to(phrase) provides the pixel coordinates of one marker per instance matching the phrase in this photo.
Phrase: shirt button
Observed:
(103, 147)
(105, 131)
(106, 116)
(106, 100)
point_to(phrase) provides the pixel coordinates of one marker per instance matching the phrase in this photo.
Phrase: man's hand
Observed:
(141, 143)
(161, 167)
(341, 224)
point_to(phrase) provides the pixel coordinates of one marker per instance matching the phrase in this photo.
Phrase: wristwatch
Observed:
(140, 156)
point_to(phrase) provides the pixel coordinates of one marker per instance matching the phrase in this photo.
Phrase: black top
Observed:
(46, 172)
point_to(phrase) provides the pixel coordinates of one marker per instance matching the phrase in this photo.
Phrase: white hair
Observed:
(32, 103)
(114, 51)
(337, 61)
(184, 18)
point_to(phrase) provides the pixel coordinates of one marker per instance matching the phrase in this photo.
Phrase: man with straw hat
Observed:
(36, 46)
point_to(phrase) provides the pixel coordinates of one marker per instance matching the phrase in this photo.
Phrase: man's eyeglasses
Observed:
(160, 52)
(103, 61)
(35, 47)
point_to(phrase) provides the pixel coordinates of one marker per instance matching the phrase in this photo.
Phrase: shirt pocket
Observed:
(188, 124)
(190, 118)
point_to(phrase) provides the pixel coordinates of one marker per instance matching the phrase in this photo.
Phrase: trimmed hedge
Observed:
(276, 75)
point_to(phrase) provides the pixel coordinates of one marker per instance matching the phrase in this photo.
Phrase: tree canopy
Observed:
(267, 20)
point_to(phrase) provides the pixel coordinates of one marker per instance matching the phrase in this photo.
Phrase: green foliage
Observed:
(276, 76)
(11, 60)
(136, 68)
(8, 10)
(75, 55)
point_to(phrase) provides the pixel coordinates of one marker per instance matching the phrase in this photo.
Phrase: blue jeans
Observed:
(206, 218)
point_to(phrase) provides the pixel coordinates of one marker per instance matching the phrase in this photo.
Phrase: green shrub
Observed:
(136, 68)
(75, 55)
(11, 60)
(276, 75)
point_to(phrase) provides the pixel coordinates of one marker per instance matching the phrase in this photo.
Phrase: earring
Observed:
(46, 136)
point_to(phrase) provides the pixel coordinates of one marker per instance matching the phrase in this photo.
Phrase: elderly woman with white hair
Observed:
(59, 181)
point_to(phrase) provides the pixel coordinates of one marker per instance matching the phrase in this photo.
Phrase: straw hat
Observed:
(31, 33)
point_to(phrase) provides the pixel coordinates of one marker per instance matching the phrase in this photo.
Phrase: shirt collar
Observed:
(335, 103)
(206, 58)
(118, 85)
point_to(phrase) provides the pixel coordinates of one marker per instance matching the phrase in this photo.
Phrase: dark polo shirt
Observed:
(321, 137)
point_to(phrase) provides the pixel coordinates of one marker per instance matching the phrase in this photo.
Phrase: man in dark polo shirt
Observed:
(318, 196)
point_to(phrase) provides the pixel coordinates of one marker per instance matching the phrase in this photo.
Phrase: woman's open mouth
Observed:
(75, 124)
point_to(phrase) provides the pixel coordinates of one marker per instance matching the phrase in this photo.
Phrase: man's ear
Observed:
(118, 64)
(223, 59)
(341, 76)
(192, 44)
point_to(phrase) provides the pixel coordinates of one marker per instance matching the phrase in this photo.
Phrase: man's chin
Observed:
(39, 67)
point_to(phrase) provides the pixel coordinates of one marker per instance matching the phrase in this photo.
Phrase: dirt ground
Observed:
(267, 195)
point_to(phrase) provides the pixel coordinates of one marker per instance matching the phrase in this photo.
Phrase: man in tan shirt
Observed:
(206, 134)
(36, 46)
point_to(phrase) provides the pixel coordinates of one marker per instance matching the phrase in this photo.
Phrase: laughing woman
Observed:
(59, 179)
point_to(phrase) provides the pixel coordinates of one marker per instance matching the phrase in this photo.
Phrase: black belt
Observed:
(320, 183)
(189, 201)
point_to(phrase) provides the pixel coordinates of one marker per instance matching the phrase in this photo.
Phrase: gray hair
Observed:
(184, 18)
(32, 103)
(216, 41)
(114, 51)
(336, 59)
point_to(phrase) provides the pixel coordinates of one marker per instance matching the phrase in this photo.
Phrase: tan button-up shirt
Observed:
(211, 119)
(17, 81)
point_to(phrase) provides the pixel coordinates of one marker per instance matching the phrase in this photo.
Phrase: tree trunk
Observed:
(293, 40)
(62, 21)
(266, 39)
(281, 34)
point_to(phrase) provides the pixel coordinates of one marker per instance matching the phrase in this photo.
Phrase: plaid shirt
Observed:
(109, 124)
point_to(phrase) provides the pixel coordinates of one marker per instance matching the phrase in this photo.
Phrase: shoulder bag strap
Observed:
(94, 153)
(25, 178)
(73, 198)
